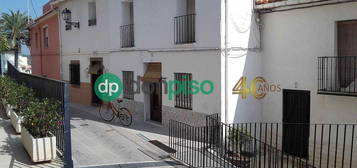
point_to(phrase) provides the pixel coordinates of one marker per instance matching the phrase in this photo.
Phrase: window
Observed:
(92, 14)
(127, 28)
(45, 37)
(74, 73)
(36, 40)
(184, 98)
(185, 22)
(190, 7)
(347, 52)
(128, 84)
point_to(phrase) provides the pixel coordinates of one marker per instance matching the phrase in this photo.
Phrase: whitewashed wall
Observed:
(243, 60)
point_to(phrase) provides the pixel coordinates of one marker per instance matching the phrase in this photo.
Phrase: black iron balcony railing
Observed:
(185, 29)
(92, 22)
(127, 35)
(337, 75)
(257, 144)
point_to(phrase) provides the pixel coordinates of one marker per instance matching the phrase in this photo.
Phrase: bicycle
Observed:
(108, 111)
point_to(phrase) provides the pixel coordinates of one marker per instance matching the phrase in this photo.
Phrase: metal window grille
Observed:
(128, 84)
(184, 98)
(127, 35)
(74, 74)
(185, 29)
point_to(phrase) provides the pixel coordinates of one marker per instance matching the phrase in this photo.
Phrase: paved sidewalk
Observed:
(12, 152)
(96, 143)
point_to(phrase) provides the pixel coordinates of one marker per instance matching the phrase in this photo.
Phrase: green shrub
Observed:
(41, 117)
(18, 96)
(6, 87)
(24, 96)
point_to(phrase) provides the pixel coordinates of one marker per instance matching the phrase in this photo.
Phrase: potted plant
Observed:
(40, 118)
(240, 142)
(21, 98)
(8, 87)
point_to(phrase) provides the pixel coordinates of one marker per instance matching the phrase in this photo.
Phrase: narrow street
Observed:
(96, 143)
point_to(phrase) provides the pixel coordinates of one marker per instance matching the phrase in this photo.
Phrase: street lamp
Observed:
(67, 16)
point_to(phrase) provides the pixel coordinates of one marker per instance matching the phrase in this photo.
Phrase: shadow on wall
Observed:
(247, 63)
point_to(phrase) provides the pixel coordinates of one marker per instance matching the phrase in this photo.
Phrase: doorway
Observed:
(95, 70)
(296, 120)
(155, 102)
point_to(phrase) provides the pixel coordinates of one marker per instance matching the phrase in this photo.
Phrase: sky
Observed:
(35, 10)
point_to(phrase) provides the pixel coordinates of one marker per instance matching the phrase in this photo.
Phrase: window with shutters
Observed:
(128, 85)
(74, 70)
(184, 98)
(45, 37)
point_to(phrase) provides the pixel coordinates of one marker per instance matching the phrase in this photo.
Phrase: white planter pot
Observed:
(16, 121)
(40, 149)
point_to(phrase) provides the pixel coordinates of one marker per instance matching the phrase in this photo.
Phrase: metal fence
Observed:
(52, 89)
(264, 144)
(337, 75)
(185, 28)
(127, 35)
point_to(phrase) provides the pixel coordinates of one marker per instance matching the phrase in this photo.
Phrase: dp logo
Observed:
(108, 87)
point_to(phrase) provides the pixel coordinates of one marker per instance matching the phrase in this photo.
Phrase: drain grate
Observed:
(162, 146)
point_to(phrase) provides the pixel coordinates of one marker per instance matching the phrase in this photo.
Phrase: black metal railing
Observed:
(92, 22)
(52, 89)
(264, 144)
(185, 29)
(337, 75)
(127, 35)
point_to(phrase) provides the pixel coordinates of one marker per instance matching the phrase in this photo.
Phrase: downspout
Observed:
(60, 41)
(226, 61)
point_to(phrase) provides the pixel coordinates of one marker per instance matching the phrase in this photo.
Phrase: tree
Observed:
(4, 44)
(14, 29)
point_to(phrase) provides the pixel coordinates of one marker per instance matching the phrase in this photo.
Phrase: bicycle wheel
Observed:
(125, 117)
(106, 112)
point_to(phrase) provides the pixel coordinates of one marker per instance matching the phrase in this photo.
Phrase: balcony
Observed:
(127, 35)
(185, 26)
(337, 75)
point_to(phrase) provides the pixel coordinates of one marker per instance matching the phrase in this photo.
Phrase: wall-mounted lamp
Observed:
(67, 16)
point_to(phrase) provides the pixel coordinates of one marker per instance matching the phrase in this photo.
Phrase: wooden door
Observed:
(155, 102)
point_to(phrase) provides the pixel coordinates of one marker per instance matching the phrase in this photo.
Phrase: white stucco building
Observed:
(280, 42)
(145, 38)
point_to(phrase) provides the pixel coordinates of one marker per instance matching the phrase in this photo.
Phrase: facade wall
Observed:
(243, 60)
(292, 41)
(154, 42)
(46, 61)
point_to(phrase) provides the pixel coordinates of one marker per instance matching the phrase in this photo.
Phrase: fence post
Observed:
(68, 162)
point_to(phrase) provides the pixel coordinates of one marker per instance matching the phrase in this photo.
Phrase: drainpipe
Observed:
(60, 41)
(226, 61)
